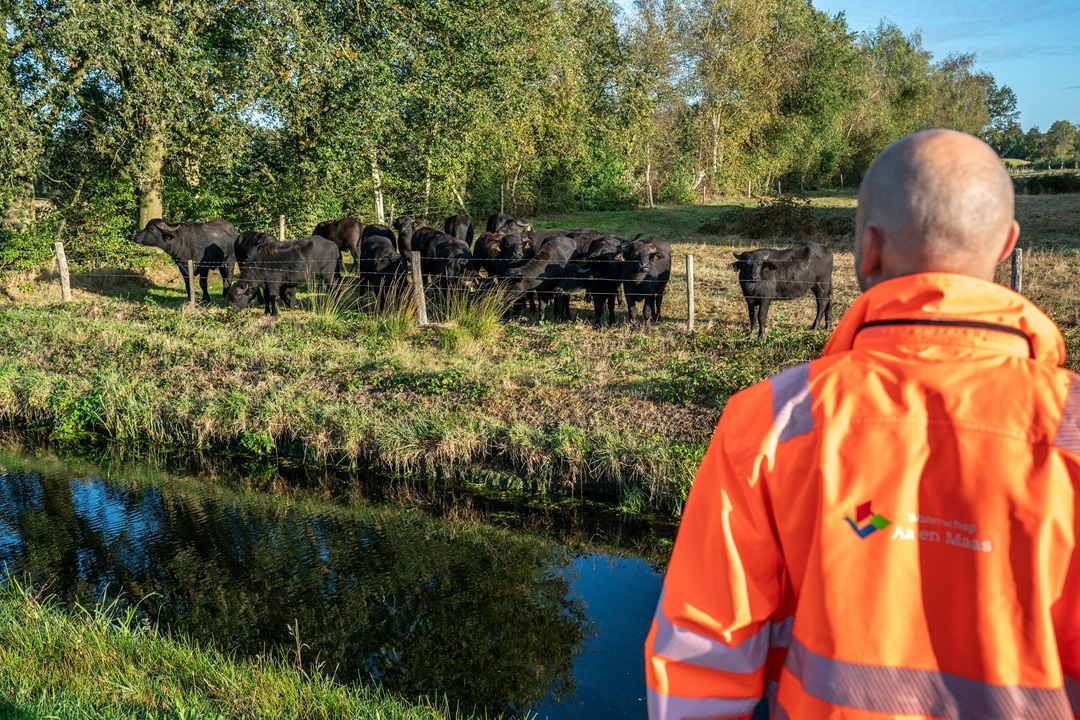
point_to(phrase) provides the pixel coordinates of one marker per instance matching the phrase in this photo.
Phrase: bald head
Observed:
(937, 200)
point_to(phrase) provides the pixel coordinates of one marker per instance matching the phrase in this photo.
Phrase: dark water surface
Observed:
(425, 590)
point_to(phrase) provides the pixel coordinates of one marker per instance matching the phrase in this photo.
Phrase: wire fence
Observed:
(510, 276)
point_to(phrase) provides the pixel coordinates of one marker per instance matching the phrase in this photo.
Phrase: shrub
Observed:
(1047, 184)
(784, 216)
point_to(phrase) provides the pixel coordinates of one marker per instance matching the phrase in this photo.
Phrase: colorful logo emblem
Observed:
(866, 521)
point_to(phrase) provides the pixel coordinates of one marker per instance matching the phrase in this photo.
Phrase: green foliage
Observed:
(27, 249)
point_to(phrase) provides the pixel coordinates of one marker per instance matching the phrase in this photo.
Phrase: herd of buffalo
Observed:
(538, 267)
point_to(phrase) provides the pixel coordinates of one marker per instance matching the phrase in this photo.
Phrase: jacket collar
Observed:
(967, 305)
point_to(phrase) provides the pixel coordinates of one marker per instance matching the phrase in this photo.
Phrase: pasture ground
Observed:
(626, 411)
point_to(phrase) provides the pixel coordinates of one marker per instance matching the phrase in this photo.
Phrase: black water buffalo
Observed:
(274, 265)
(545, 274)
(381, 266)
(375, 229)
(209, 245)
(448, 261)
(424, 238)
(767, 274)
(495, 253)
(245, 245)
(346, 233)
(406, 227)
(461, 227)
(646, 268)
(504, 223)
(601, 261)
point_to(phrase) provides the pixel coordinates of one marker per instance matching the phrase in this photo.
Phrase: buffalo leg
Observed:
(228, 270)
(763, 313)
(752, 308)
(204, 275)
(272, 290)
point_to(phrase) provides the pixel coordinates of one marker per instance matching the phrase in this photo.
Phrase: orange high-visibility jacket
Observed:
(890, 530)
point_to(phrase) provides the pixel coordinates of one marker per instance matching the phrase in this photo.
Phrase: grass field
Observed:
(625, 411)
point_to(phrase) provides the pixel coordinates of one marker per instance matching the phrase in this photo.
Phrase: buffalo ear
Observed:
(620, 257)
(655, 256)
(738, 264)
(768, 265)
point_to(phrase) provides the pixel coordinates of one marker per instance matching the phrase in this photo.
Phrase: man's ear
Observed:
(871, 246)
(1010, 243)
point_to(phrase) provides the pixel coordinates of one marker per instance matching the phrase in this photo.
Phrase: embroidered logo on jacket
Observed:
(866, 521)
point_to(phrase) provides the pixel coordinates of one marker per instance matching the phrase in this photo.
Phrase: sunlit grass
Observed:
(107, 662)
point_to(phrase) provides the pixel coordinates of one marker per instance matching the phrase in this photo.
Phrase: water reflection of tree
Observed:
(474, 613)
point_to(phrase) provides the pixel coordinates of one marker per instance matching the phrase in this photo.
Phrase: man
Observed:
(889, 531)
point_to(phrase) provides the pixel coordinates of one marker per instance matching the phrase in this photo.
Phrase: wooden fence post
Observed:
(191, 282)
(1018, 270)
(690, 293)
(281, 228)
(65, 278)
(418, 290)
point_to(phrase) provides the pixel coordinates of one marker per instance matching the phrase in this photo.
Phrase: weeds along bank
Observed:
(626, 411)
(105, 663)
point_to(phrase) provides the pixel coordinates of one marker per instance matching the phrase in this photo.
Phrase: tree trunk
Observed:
(427, 189)
(376, 181)
(648, 179)
(152, 185)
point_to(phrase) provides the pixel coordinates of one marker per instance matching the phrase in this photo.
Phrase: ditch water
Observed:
(491, 603)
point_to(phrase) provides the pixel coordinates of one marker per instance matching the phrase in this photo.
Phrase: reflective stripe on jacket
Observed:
(887, 531)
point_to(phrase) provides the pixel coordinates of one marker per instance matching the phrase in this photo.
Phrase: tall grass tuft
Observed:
(330, 305)
(472, 318)
(395, 318)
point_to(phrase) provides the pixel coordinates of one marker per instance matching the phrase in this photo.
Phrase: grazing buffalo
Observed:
(766, 275)
(495, 253)
(346, 233)
(448, 261)
(245, 245)
(424, 238)
(381, 266)
(646, 268)
(461, 227)
(501, 222)
(274, 265)
(209, 245)
(545, 274)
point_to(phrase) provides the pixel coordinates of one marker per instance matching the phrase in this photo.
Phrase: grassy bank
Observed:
(625, 411)
(104, 663)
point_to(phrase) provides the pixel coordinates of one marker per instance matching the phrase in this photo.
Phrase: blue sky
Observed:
(1033, 47)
